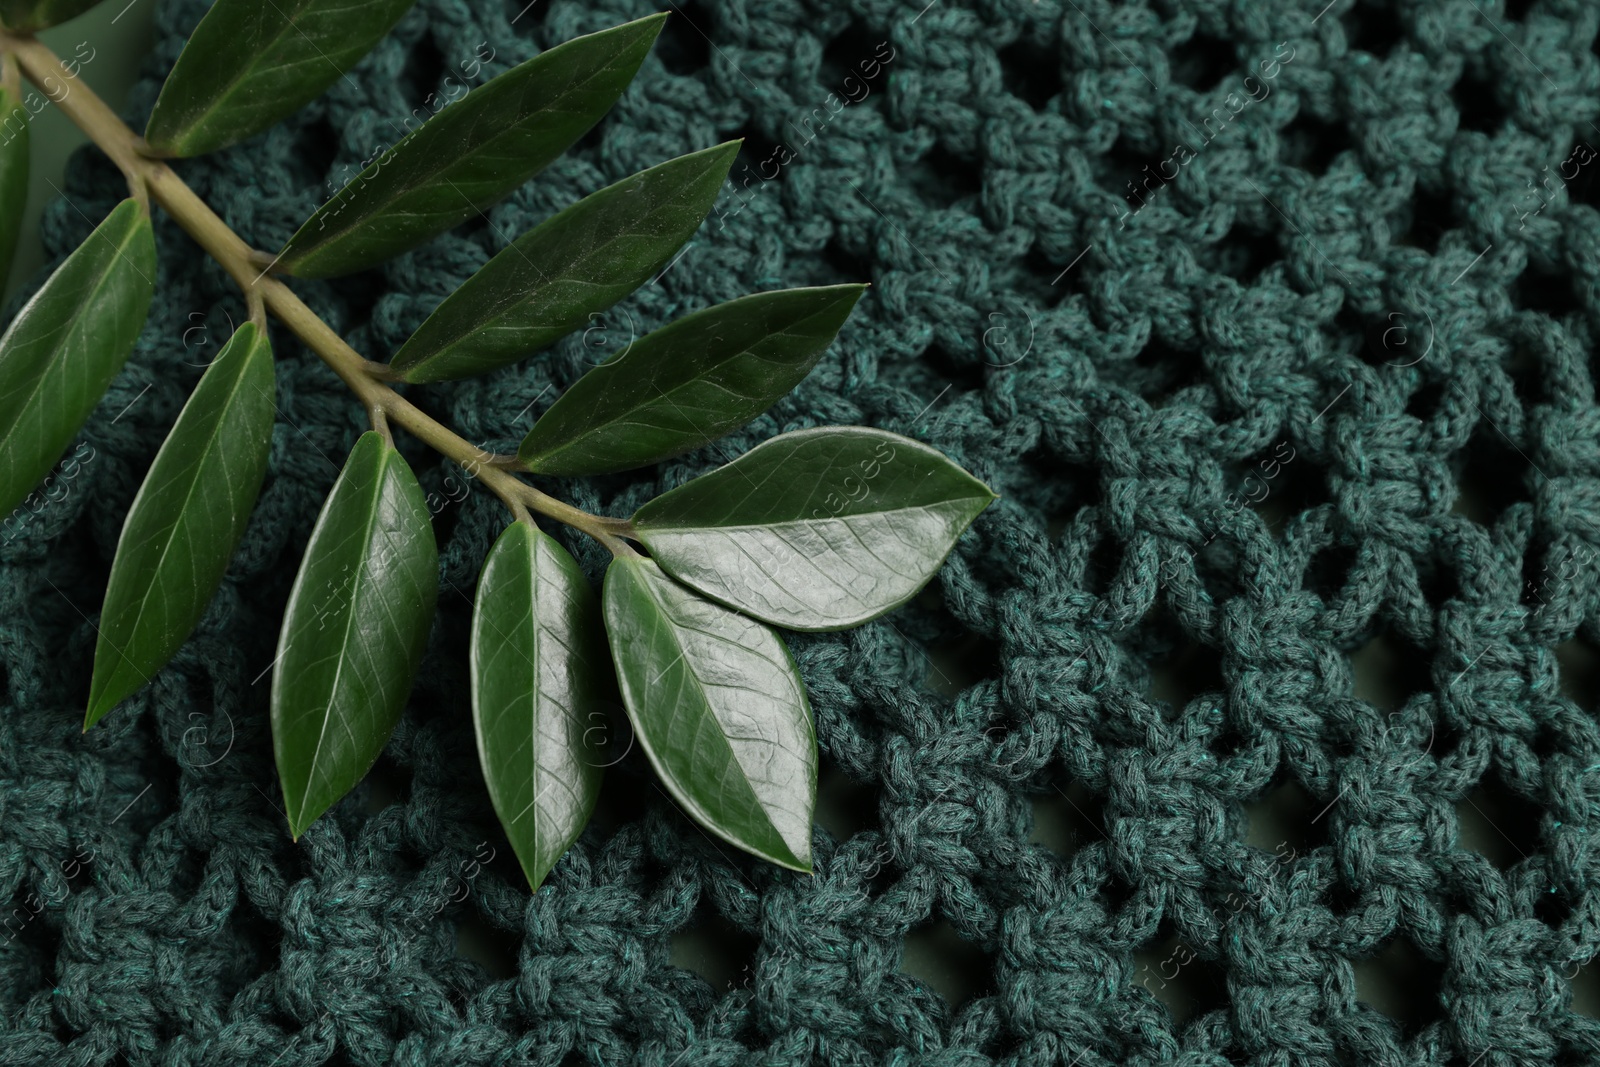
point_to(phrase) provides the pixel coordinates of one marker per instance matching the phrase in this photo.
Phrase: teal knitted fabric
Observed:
(1271, 325)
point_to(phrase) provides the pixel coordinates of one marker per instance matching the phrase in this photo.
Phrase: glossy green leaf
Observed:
(354, 631)
(67, 343)
(471, 154)
(14, 156)
(561, 273)
(186, 520)
(719, 709)
(27, 16)
(538, 663)
(688, 383)
(249, 65)
(817, 529)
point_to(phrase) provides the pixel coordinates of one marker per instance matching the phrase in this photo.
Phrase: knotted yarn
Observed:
(1272, 327)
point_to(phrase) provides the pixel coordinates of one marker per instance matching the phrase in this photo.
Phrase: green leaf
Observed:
(26, 16)
(538, 662)
(354, 631)
(471, 154)
(817, 529)
(688, 383)
(249, 65)
(14, 155)
(186, 520)
(572, 266)
(719, 709)
(67, 343)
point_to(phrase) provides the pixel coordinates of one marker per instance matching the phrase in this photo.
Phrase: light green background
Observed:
(119, 32)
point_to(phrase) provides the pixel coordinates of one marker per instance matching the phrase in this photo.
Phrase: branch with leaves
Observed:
(818, 529)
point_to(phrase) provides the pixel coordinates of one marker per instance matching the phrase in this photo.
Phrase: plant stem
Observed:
(245, 265)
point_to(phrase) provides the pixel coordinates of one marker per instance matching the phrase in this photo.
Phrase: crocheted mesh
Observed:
(1316, 385)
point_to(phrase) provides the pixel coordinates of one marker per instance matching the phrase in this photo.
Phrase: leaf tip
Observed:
(99, 707)
(535, 877)
(797, 859)
(296, 828)
(649, 22)
(726, 151)
(799, 865)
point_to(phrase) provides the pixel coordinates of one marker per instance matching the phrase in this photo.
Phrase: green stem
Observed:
(261, 289)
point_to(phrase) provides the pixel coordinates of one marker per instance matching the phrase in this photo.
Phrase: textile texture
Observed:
(1272, 328)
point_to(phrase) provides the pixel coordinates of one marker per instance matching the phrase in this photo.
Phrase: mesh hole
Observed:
(684, 47)
(1390, 671)
(936, 955)
(1402, 983)
(1031, 72)
(1498, 824)
(1478, 105)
